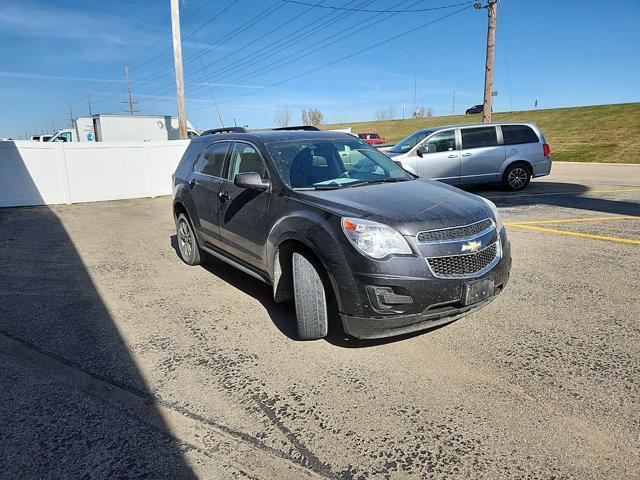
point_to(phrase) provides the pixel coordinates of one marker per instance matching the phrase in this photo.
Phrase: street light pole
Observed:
(415, 80)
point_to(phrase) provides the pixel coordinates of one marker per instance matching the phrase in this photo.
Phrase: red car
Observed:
(372, 138)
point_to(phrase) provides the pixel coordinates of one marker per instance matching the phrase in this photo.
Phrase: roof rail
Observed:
(309, 128)
(224, 130)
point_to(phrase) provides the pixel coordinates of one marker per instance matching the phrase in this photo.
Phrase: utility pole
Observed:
(126, 75)
(70, 115)
(177, 63)
(492, 9)
(89, 101)
(415, 81)
(453, 105)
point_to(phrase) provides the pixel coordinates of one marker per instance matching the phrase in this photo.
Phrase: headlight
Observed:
(496, 213)
(374, 239)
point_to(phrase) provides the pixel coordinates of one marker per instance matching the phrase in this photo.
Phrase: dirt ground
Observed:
(121, 361)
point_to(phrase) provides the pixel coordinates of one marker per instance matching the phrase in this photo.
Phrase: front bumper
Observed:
(436, 301)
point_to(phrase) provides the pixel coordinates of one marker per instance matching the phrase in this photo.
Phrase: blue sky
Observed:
(561, 53)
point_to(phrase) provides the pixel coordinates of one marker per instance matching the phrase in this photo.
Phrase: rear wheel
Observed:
(516, 177)
(310, 299)
(187, 244)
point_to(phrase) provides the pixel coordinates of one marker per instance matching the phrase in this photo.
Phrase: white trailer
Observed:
(122, 128)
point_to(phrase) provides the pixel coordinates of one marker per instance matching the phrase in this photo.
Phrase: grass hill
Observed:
(600, 133)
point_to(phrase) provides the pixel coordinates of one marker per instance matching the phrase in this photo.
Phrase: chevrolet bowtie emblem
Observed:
(471, 247)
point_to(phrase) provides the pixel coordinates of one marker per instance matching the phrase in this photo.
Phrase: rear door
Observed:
(205, 181)
(481, 155)
(442, 162)
(243, 212)
(522, 143)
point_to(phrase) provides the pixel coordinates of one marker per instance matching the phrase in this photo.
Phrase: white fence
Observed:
(34, 173)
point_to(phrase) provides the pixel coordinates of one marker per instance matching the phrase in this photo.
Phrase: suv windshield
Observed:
(411, 141)
(333, 164)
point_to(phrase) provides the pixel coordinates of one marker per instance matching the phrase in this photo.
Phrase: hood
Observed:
(392, 154)
(409, 207)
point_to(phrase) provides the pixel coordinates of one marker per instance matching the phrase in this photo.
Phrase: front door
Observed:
(243, 212)
(205, 182)
(481, 155)
(442, 160)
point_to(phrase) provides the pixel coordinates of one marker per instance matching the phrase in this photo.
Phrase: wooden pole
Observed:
(492, 8)
(177, 62)
(126, 74)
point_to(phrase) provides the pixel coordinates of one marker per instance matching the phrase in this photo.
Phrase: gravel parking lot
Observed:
(121, 361)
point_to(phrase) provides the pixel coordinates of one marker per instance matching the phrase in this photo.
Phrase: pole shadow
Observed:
(51, 309)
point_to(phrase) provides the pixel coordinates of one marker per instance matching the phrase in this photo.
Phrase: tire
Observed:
(187, 243)
(516, 177)
(310, 299)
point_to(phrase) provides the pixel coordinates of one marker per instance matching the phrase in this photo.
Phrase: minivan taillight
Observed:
(546, 149)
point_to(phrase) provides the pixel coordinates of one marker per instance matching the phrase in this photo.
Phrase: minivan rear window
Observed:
(479, 137)
(514, 134)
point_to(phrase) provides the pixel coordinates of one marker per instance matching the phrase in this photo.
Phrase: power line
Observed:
(260, 16)
(415, 10)
(160, 40)
(301, 33)
(306, 52)
(370, 47)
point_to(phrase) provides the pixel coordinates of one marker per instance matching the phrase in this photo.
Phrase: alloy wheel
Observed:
(517, 177)
(185, 240)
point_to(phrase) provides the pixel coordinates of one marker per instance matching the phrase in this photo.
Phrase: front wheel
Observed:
(310, 299)
(187, 243)
(516, 177)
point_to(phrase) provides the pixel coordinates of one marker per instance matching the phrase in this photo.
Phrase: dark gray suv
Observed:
(323, 216)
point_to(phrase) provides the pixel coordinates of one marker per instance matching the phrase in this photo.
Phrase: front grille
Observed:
(455, 233)
(462, 265)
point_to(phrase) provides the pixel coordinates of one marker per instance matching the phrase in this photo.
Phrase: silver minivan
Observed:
(507, 153)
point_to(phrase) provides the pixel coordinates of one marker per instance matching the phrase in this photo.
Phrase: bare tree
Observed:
(386, 113)
(313, 116)
(282, 117)
(422, 112)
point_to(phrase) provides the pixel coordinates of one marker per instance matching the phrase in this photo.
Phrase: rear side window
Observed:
(479, 137)
(514, 134)
(211, 161)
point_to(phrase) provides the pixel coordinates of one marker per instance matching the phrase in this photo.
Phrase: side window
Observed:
(442, 142)
(479, 137)
(514, 134)
(211, 161)
(245, 158)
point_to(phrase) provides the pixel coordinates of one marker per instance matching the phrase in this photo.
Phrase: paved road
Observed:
(119, 360)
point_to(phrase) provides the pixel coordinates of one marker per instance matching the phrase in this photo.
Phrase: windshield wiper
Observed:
(333, 186)
(388, 180)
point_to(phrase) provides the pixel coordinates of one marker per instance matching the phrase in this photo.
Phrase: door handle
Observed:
(192, 183)
(468, 154)
(453, 156)
(223, 196)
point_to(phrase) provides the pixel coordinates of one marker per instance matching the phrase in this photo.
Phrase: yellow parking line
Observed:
(570, 220)
(581, 192)
(576, 234)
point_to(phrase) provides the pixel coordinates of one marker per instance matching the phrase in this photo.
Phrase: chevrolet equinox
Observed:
(321, 215)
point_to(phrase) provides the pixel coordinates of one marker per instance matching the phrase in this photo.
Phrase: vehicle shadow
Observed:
(73, 402)
(556, 194)
(283, 315)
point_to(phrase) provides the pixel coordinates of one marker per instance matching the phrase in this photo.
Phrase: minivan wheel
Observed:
(310, 299)
(516, 177)
(187, 244)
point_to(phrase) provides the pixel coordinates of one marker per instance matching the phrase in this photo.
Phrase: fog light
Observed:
(384, 298)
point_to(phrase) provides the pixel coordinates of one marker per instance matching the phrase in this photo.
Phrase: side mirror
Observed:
(422, 150)
(250, 181)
